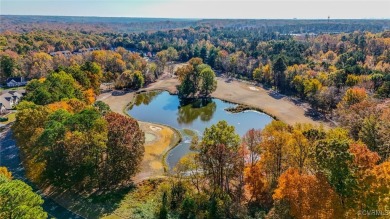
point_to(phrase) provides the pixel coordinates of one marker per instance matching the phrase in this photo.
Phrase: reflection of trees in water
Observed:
(145, 98)
(201, 108)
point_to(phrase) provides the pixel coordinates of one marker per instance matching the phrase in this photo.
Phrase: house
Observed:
(10, 99)
(15, 95)
(66, 53)
(7, 102)
(16, 82)
(3, 110)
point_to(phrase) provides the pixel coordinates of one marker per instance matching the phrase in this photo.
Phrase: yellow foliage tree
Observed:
(4, 172)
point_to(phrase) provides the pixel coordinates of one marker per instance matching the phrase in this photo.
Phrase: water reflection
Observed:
(203, 109)
(145, 98)
(163, 108)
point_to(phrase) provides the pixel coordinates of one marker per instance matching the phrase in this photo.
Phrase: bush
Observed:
(3, 119)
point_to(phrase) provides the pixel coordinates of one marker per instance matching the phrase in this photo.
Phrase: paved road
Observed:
(9, 157)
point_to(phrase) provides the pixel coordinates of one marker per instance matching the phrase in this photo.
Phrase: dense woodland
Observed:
(282, 171)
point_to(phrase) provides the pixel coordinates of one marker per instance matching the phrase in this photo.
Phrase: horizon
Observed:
(211, 9)
(185, 18)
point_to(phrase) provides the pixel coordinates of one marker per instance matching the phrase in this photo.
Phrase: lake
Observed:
(163, 108)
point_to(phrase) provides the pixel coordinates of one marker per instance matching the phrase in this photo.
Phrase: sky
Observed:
(261, 9)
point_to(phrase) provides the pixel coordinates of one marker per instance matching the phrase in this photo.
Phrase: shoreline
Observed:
(178, 133)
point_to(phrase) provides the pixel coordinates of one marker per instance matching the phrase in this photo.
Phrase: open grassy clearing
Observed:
(11, 118)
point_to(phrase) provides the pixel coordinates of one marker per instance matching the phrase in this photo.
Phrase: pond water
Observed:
(163, 108)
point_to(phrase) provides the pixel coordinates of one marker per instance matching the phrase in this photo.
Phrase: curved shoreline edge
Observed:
(177, 132)
(171, 147)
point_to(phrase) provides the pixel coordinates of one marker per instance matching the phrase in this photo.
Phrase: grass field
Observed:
(11, 118)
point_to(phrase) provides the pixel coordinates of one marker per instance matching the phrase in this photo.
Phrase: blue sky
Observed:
(304, 9)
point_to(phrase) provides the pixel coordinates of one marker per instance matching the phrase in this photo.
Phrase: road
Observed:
(9, 157)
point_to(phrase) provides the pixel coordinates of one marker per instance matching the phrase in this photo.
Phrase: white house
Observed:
(16, 82)
(9, 100)
(3, 110)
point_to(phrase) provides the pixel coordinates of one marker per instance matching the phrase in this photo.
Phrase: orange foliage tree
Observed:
(308, 196)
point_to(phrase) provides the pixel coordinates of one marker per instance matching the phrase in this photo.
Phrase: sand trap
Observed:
(154, 128)
(253, 88)
(149, 137)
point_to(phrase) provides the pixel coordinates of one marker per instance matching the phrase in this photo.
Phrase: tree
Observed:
(125, 148)
(7, 67)
(74, 145)
(17, 200)
(369, 133)
(5, 173)
(94, 74)
(172, 54)
(274, 150)
(279, 67)
(364, 161)
(130, 79)
(251, 141)
(39, 65)
(162, 59)
(208, 84)
(219, 154)
(203, 54)
(333, 160)
(138, 80)
(380, 186)
(258, 186)
(26, 131)
(102, 107)
(196, 79)
(300, 149)
(353, 96)
(56, 87)
(308, 196)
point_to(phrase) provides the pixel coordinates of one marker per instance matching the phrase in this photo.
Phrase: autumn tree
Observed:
(73, 145)
(353, 96)
(26, 132)
(274, 150)
(125, 148)
(39, 65)
(222, 160)
(130, 79)
(196, 79)
(5, 173)
(219, 153)
(251, 141)
(300, 150)
(307, 196)
(364, 161)
(380, 187)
